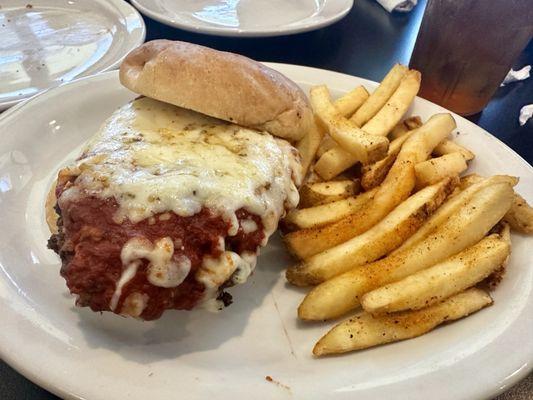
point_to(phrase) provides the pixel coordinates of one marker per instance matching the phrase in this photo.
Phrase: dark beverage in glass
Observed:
(465, 48)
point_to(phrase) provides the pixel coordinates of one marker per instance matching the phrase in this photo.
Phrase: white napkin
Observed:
(398, 5)
(514, 76)
(525, 113)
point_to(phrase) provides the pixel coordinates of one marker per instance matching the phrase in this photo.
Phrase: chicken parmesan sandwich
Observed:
(170, 201)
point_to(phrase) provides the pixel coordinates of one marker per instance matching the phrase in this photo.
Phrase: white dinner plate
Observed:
(76, 353)
(245, 17)
(44, 43)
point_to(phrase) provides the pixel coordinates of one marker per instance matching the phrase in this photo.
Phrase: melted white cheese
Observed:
(163, 269)
(134, 304)
(153, 157)
(127, 274)
(245, 268)
(248, 225)
(215, 271)
(170, 274)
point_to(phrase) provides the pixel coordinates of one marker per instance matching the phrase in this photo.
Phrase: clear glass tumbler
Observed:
(465, 48)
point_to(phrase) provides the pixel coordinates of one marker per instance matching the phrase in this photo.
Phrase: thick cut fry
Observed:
(380, 96)
(466, 226)
(364, 330)
(338, 160)
(433, 170)
(394, 109)
(413, 122)
(313, 177)
(326, 144)
(396, 187)
(363, 146)
(351, 101)
(470, 179)
(405, 126)
(327, 213)
(308, 146)
(453, 204)
(520, 216)
(449, 146)
(440, 281)
(398, 131)
(401, 223)
(374, 174)
(333, 162)
(505, 232)
(424, 139)
(315, 194)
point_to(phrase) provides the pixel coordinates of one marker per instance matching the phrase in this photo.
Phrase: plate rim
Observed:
(511, 377)
(237, 32)
(121, 7)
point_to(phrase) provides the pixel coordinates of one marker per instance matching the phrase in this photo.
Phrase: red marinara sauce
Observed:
(90, 243)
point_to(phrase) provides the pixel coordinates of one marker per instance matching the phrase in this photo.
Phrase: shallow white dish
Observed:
(79, 354)
(47, 42)
(245, 17)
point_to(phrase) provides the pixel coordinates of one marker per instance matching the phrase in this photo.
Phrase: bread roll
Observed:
(219, 84)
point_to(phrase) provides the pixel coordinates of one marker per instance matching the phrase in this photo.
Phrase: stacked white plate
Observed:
(44, 43)
(245, 17)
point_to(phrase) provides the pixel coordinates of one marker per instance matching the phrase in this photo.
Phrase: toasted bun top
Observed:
(219, 84)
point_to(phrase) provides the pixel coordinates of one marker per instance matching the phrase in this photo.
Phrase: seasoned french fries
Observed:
(379, 97)
(351, 101)
(470, 179)
(326, 144)
(413, 122)
(333, 162)
(374, 243)
(396, 187)
(433, 170)
(374, 174)
(520, 216)
(308, 146)
(440, 281)
(453, 204)
(395, 107)
(315, 194)
(465, 227)
(364, 330)
(449, 146)
(399, 130)
(405, 126)
(327, 213)
(363, 146)
(412, 246)
(426, 137)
